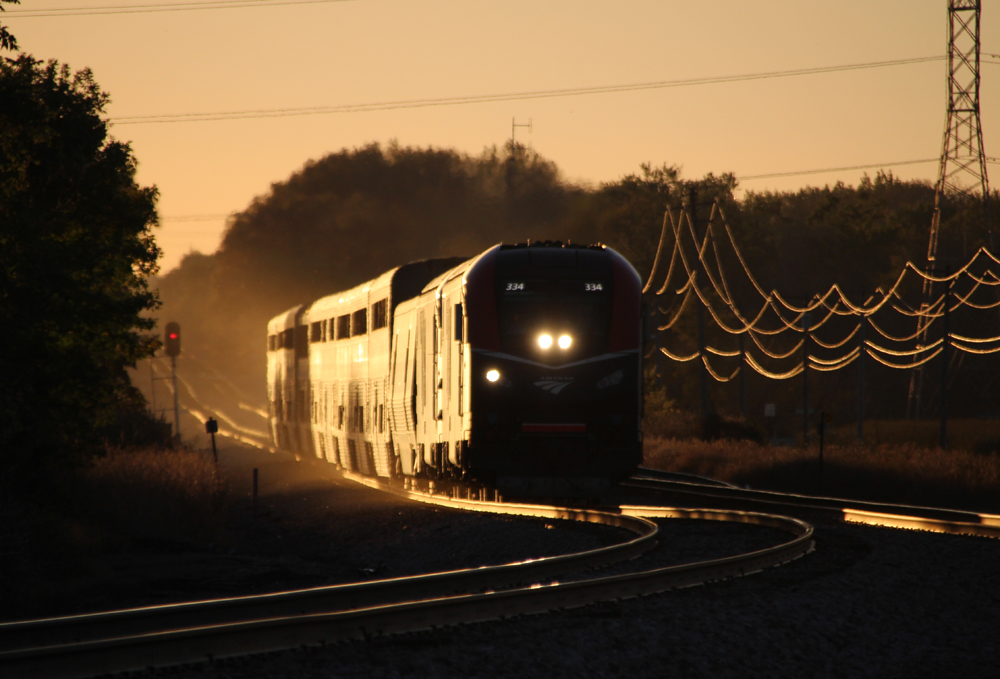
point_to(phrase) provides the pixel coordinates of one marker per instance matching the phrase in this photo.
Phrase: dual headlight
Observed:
(545, 341)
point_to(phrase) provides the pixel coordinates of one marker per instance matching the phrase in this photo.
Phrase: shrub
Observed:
(900, 473)
(154, 495)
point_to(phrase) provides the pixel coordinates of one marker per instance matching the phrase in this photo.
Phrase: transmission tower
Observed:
(963, 160)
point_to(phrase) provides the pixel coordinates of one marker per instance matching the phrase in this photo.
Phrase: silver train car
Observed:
(518, 369)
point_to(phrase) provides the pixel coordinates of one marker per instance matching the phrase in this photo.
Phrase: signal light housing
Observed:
(172, 339)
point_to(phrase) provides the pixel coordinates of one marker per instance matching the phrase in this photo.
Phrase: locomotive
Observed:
(518, 369)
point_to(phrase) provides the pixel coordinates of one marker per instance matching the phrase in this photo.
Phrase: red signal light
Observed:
(172, 345)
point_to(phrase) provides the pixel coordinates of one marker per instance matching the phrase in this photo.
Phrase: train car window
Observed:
(287, 339)
(459, 324)
(343, 326)
(315, 332)
(579, 308)
(272, 342)
(359, 322)
(379, 314)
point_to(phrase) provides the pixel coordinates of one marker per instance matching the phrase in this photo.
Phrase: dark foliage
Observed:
(354, 214)
(348, 217)
(716, 427)
(7, 39)
(75, 251)
(137, 428)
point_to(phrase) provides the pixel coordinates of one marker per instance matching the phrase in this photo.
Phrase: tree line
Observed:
(80, 296)
(351, 215)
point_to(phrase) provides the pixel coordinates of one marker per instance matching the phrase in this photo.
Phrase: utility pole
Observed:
(862, 352)
(513, 127)
(962, 168)
(743, 377)
(943, 437)
(691, 209)
(512, 159)
(806, 320)
(703, 371)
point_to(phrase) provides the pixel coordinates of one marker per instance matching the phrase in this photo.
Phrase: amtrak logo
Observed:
(611, 380)
(554, 385)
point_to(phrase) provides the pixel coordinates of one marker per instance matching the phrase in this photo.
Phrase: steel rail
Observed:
(934, 519)
(130, 622)
(659, 474)
(209, 643)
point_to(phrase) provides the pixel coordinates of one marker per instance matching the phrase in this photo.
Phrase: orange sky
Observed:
(313, 54)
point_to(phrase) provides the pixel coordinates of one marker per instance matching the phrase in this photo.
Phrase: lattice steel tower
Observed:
(963, 159)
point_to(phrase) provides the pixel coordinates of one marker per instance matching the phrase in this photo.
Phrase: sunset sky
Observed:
(267, 55)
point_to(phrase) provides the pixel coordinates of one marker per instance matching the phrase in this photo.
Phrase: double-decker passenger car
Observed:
(519, 369)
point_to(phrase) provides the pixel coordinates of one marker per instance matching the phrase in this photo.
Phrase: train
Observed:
(518, 370)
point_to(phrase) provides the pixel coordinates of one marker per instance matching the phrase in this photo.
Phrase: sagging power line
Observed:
(165, 7)
(787, 340)
(509, 96)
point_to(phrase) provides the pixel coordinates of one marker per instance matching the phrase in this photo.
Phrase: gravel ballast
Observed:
(868, 602)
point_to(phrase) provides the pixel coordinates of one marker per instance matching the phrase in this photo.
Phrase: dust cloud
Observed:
(337, 222)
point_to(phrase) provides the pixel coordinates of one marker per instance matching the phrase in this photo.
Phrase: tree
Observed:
(7, 40)
(75, 251)
(348, 217)
(631, 208)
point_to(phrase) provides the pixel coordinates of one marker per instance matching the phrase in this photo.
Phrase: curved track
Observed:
(89, 645)
(710, 492)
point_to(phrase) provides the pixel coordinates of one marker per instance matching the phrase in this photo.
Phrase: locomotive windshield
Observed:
(554, 321)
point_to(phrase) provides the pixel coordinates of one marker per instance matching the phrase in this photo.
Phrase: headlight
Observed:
(493, 375)
(565, 341)
(545, 341)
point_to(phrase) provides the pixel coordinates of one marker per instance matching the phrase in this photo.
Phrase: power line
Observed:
(510, 96)
(167, 7)
(193, 218)
(837, 169)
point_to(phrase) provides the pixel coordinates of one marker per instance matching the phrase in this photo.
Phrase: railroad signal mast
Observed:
(962, 168)
(172, 348)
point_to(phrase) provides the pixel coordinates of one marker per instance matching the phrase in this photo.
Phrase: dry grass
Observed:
(902, 473)
(138, 498)
(153, 495)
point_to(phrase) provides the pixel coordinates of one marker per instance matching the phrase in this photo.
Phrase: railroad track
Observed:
(710, 492)
(159, 636)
